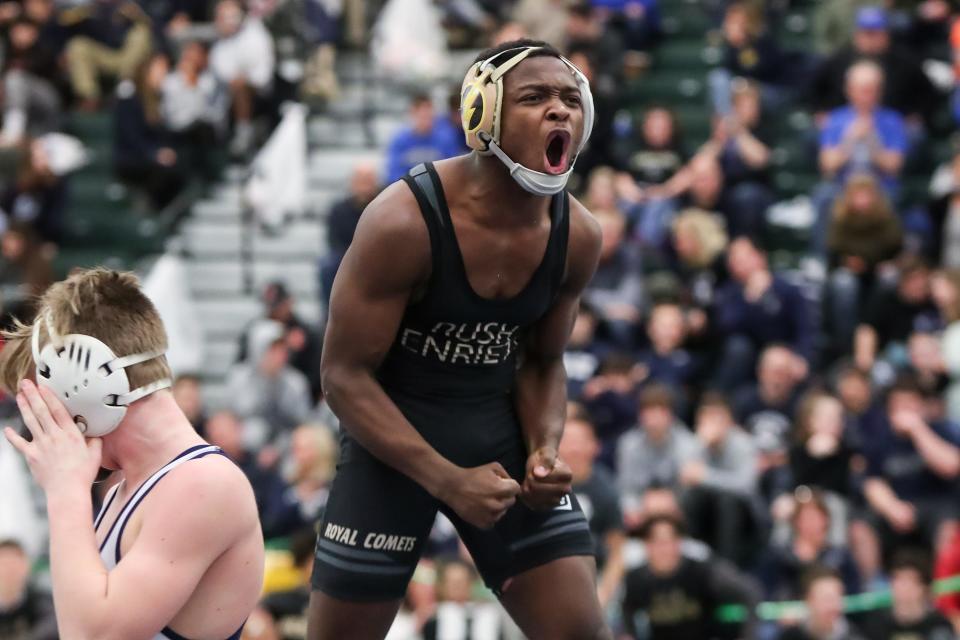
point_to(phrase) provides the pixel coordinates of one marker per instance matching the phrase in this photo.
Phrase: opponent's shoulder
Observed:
(210, 488)
(584, 241)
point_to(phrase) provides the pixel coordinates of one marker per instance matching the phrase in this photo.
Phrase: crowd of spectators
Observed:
(742, 427)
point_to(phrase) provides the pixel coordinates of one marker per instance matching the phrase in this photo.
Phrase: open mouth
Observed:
(557, 151)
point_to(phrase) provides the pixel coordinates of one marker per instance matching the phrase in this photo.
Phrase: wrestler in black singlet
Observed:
(451, 371)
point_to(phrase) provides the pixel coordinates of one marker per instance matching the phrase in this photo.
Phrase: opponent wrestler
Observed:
(443, 359)
(176, 551)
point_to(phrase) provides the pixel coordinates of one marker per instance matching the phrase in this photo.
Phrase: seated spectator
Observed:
(654, 451)
(610, 397)
(912, 466)
(302, 339)
(460, 615)
(948, 566)
(343, 218)
(282, 615)
(864, 233)
(699, 245)
(755, 309)
(823, 619)
(892, 314)
(833, 22)
(655, 153)
(616, 291)
(821, 456)
(906, 89)
(742, 146)
(31, 100)
(26, 612)
(36, 196)
(782, 567)
(749, 52)
(142, 155)
(225, 430)
(945, 291)
(766, 410)
(312, 464)
(581, 359)
(926, 363)
(673, 597)
(719, 486)
(606, 103)
(596, 491)
(863, 136)
(585, 30)
(108, 38)
(186, 393)
(666, 360)
(912, 613)
(420, 141)
(944, 210)
(194, 106)
(25, 270)
(242, 59)
(268, 395)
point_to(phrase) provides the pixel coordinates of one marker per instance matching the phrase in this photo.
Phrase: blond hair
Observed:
(102, 303)
(709, 230)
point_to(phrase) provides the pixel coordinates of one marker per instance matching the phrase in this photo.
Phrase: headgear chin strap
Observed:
(89, 378)
(481, 101)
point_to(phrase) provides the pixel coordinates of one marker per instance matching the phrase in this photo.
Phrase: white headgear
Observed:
(89, 378)
(481, 110)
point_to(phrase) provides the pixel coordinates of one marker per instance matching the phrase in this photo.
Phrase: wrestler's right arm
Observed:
(388, 260)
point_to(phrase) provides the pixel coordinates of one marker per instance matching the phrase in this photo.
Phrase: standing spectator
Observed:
(673, 597)
(864, 232)
(654, 451)
(142, 155)
(754, 309)
(912, 613)
(31, 99)
(892, 314)
(720, 485)
(906, 89)
(343, 218)
(26, 613)
(912, 466)
(824, 619)
(269, 395)
(243, 59)
(109, 37)
(863, 136)
(596, 491)
(421, 141)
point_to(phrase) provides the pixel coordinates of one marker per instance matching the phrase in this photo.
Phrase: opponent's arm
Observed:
(388, 260)
(540, 390)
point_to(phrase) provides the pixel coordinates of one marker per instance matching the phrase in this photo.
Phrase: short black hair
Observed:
(910, 559)
(10, 543)
(817, 574)
(906, 382)
(546, 49)
(674, 522)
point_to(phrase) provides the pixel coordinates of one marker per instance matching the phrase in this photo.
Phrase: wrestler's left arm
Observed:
(197, 517)
(541, 386)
